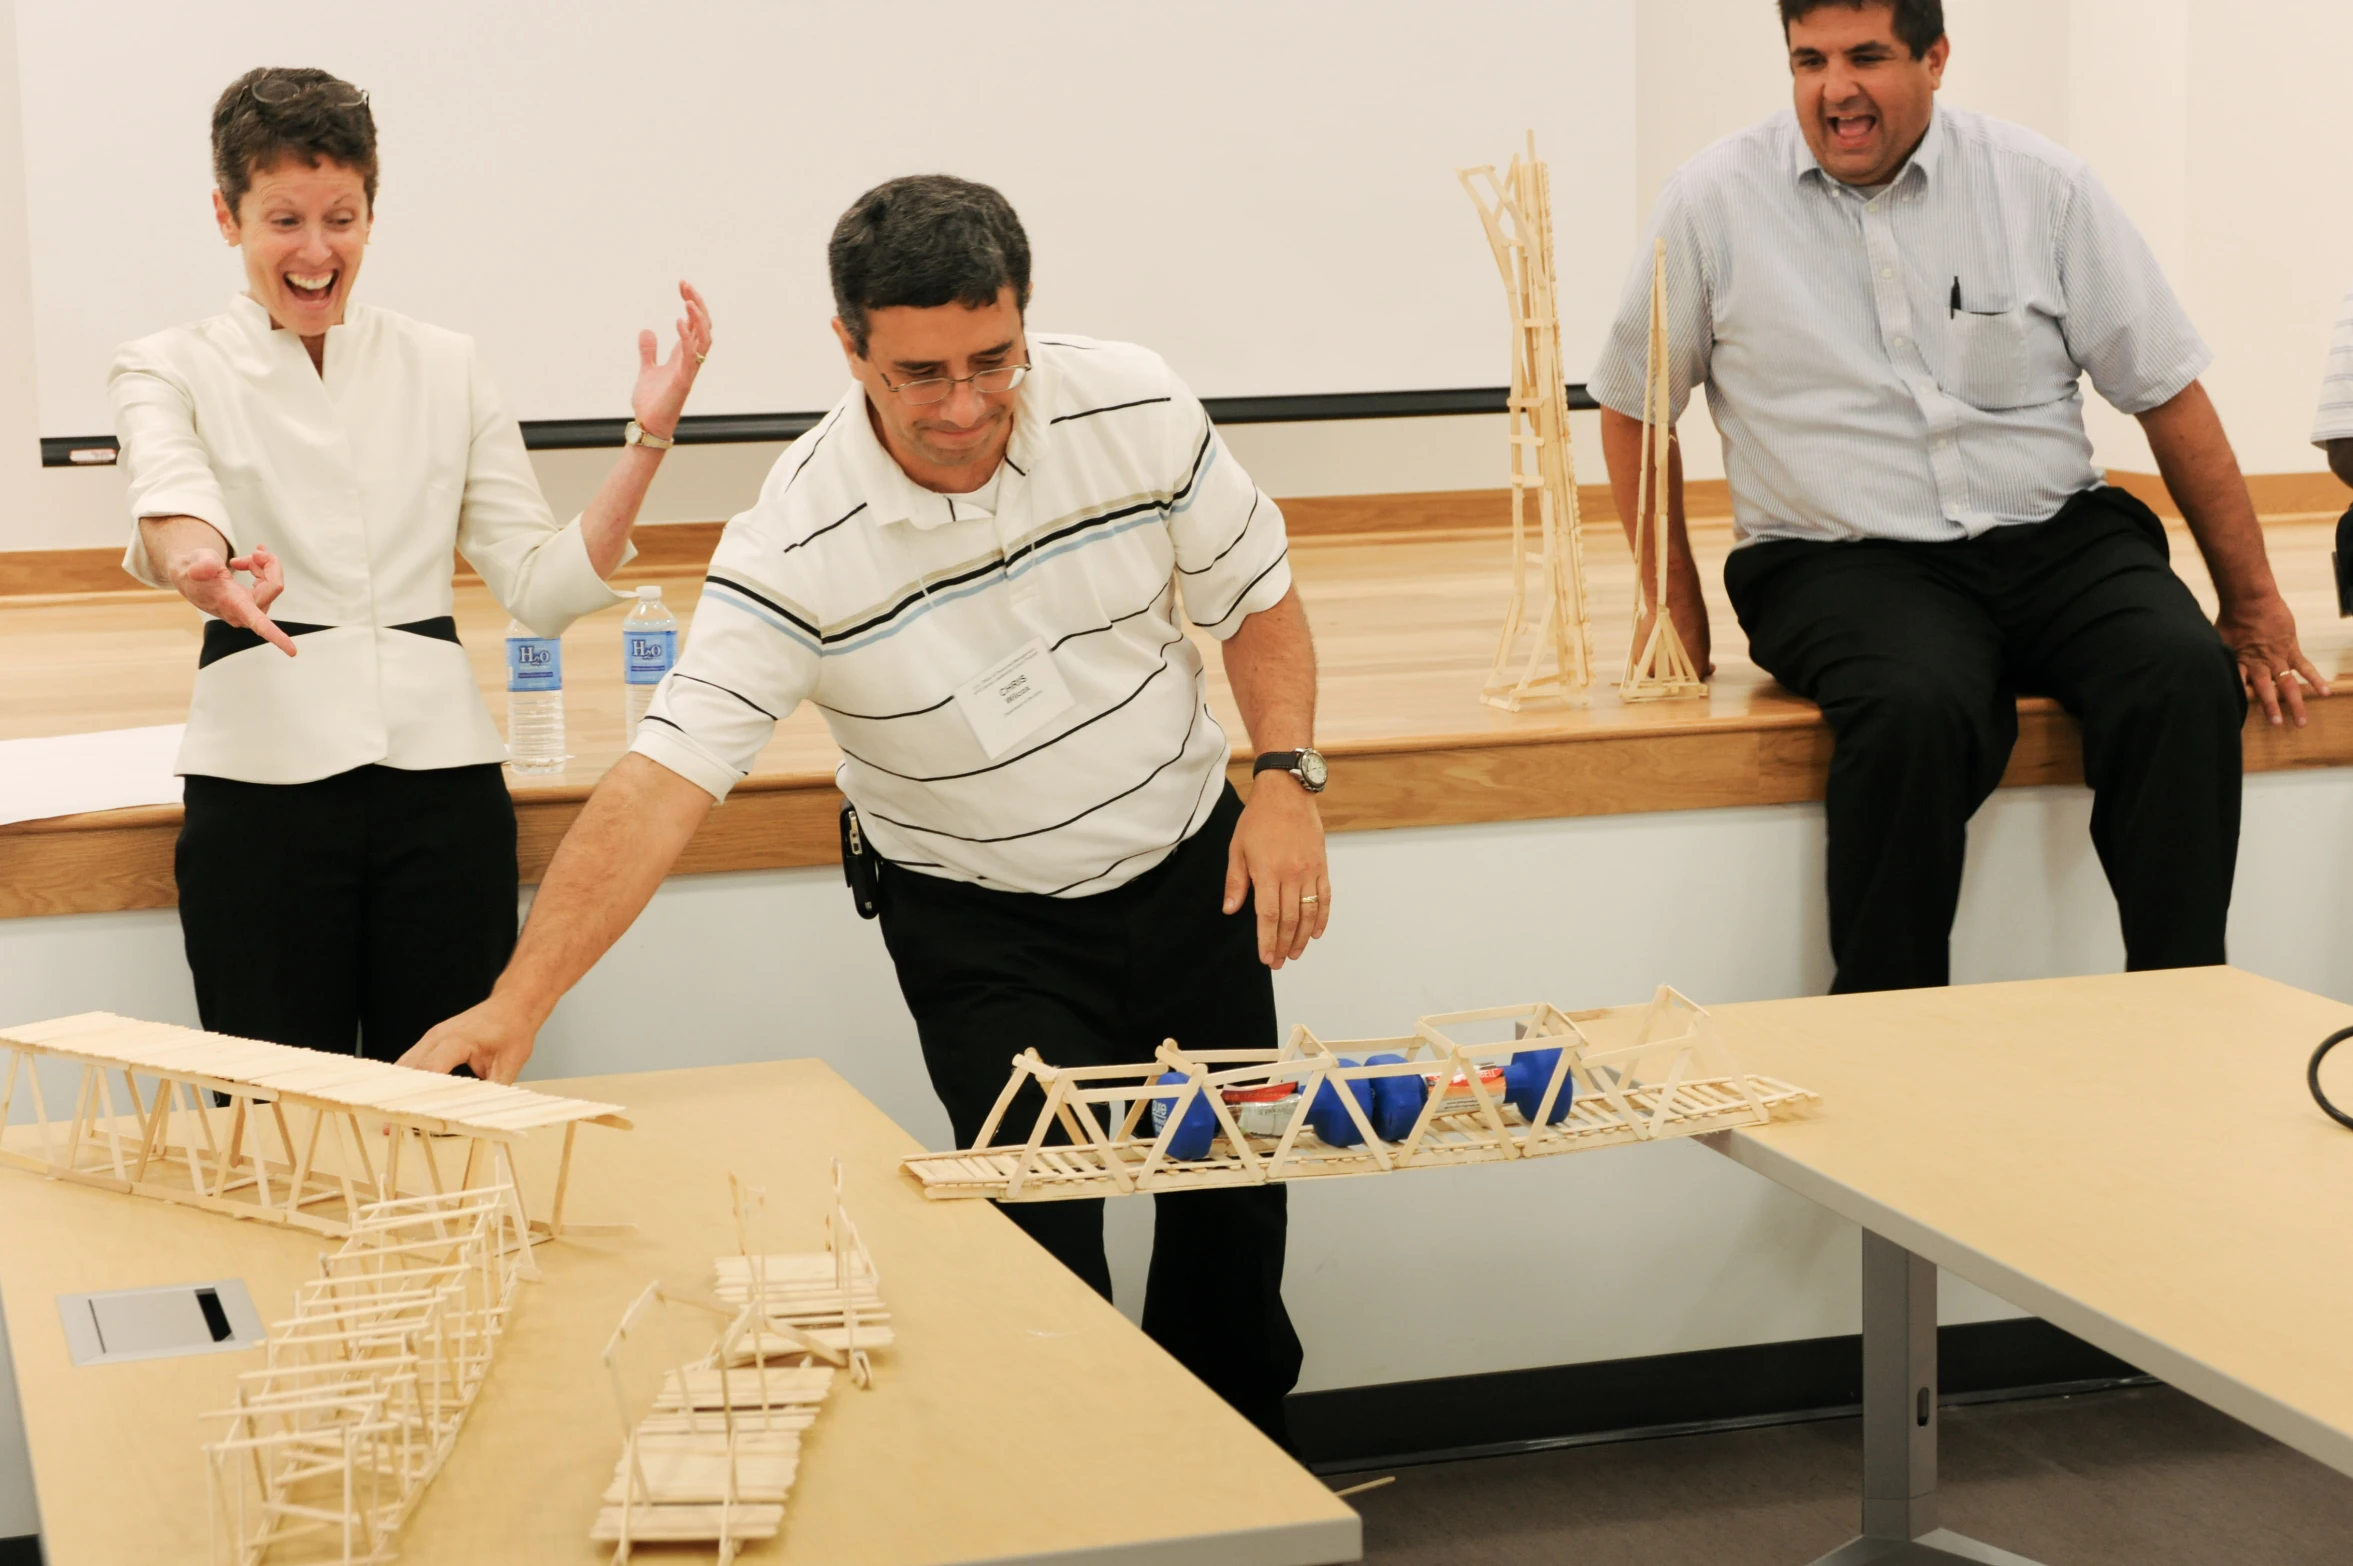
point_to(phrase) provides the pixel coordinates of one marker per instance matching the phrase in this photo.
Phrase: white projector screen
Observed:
(1262, 190)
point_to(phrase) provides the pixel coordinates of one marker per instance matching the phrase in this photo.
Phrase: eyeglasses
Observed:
(278, 91)
(935, 388)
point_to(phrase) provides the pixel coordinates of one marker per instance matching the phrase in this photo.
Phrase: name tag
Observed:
(1011, 700)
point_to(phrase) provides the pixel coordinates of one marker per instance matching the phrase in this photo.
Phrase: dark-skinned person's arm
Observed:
(2194, 455)
(2340, 460)
(1278, 847)
(605, 871)
(1622, 450)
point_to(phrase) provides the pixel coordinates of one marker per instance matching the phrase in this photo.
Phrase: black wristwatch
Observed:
(1305, 765)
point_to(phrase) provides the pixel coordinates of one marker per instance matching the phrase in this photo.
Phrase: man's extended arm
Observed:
(1621, 448)
(1279, 842)
(605, 871)
(2195, 457)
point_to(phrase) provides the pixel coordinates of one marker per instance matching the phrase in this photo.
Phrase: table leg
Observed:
(1899, 1422)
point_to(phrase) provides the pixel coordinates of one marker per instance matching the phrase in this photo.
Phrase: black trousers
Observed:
(350, 914)
(1916, 654)
(1102, 980)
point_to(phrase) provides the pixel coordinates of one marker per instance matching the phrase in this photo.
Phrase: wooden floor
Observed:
(1405, 610)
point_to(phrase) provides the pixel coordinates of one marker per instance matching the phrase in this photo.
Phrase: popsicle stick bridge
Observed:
(267, 1131)
(1468, 1087)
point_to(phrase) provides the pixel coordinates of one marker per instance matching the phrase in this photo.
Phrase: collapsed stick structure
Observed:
(715, 1453)
(1554, 1082)
(1658, 665)
(268, 1131)
(1546, 650)
(331, 1444)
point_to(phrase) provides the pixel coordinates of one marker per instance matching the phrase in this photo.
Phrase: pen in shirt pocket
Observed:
(1956, 308)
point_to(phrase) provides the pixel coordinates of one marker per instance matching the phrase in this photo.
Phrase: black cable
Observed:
(2312, 1077)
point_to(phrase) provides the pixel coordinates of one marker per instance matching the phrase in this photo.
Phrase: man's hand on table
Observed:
(2261, 634)
(1278, 852)
(493, 1040)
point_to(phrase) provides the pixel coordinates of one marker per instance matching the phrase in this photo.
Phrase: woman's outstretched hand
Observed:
(662, 384)
(210, 583)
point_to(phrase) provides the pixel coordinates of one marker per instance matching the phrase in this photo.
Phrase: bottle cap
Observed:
(650, 593)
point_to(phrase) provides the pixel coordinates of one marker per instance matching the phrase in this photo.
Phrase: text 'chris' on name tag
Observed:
(1013, 698)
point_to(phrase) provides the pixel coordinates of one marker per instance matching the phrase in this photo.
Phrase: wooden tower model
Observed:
(1658, 667)
(1546, 649)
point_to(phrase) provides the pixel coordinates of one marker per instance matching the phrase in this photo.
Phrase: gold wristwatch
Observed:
(638, 435)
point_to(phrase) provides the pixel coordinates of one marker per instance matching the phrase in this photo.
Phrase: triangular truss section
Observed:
(1546, 650)
(1467, 1087)
(1658, 666)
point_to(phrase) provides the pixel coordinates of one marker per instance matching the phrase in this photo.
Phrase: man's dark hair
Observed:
(1919, 23)
(925, 240)
(279, 112)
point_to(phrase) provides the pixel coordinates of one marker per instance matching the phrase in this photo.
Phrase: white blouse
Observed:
(361, 480)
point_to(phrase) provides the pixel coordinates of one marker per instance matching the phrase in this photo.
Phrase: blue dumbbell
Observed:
(1397, 1100)
(1525, 1080)
(1328, 1116)
(1199, 1127)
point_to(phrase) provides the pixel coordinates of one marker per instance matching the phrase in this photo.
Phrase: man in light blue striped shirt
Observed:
(1891, 306)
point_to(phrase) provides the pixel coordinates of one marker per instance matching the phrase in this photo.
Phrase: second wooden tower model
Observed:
(1546, 649)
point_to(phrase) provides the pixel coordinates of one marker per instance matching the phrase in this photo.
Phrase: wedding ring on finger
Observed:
(1308, 899)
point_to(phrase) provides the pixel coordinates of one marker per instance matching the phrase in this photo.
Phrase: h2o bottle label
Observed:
(535, 663)
(647, 655)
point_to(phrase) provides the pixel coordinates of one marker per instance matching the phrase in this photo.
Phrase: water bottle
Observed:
(649, 645)
(535, 701)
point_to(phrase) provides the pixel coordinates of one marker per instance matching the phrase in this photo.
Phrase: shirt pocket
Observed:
(2007, 359)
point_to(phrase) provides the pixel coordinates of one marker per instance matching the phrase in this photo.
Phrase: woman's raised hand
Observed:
(662, 385)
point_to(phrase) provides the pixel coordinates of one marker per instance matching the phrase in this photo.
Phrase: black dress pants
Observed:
(1916, 654)
(1102, 980)
(350, 914)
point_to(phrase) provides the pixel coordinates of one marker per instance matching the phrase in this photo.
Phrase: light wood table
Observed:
(2134, 1158)
(1017, 1417)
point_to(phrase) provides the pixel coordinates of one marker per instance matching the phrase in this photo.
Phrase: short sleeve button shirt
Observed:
(1901, 363)
(850, 586)
(2334, 421)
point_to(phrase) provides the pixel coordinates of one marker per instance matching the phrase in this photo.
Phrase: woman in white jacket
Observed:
(347, 870)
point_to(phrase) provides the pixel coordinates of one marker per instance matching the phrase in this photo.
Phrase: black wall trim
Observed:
(77, 451)
(1508, 1411)
(24, 1550)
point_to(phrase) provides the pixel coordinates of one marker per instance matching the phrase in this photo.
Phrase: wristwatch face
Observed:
(1312, 771)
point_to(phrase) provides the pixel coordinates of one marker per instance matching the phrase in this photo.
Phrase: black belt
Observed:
(223, 640)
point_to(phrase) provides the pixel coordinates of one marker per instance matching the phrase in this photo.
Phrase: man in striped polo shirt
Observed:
(977, 565)
(1891, 305)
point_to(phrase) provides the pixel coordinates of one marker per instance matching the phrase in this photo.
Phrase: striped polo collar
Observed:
(891, 496)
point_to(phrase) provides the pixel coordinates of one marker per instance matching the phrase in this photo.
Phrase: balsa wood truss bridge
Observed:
(331, 1443)
(1546, 650)
(297, 1136)
(712, 1458)
(1554, 1082)
(1658, 665)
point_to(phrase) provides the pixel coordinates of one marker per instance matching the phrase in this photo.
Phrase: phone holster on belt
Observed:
(861, 866)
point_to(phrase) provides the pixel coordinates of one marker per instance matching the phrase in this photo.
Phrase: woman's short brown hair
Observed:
(280, 112)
